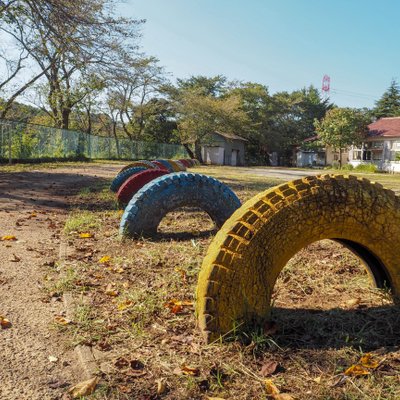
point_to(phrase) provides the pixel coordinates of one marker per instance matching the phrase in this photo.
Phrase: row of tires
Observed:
(135, 175)
(148, 190)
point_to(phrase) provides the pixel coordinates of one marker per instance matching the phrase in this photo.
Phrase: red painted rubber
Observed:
(159, 165)
(131, 186)
(186, 163)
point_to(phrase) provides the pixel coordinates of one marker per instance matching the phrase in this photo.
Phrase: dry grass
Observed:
(325, 312)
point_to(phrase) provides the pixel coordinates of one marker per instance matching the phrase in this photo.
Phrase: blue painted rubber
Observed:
(166, 164)
(123, 176)
(181, 189)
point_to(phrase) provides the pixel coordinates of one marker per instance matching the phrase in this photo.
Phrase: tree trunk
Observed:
(189, 150)
(340, 158)
(114, 130)
(197, 151)
(66, 112)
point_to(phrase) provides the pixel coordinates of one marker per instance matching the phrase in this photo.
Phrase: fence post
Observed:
(9, 145)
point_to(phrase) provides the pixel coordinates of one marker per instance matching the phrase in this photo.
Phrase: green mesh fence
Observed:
(21, 141)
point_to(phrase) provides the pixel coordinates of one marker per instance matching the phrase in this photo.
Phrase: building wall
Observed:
(210, 153)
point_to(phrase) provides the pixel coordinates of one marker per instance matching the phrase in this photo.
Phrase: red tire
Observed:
(159, 165)
(186, 163)
(136, 182)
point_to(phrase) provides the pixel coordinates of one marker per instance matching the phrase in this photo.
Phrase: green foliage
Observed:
(347, 167)
(370, 168)
(342, 127)
(389, 104)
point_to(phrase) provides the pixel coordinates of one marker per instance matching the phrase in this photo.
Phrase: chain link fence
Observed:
(21, 141)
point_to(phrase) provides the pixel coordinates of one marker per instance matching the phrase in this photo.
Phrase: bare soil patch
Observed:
(135, 305)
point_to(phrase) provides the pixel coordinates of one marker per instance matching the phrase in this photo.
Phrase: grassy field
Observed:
(135, 304)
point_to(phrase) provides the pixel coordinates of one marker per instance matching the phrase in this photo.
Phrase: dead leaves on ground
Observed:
(62, 320)
(274, 393)
(85, 388)
(178, 306)
(365, 366)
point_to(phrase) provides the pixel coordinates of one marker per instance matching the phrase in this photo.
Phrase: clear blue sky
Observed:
(284, 44)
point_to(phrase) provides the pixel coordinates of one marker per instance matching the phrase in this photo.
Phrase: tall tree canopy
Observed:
(389, 104)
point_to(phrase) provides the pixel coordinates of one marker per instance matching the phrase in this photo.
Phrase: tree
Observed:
(389, 104)
(200, 115)
(342, 127)
(71, 44)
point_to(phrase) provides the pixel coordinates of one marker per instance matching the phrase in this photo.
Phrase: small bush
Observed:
(366, 168)
(348, 167)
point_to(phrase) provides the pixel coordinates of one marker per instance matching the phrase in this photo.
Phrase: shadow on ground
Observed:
(52, 190)
(366, 328)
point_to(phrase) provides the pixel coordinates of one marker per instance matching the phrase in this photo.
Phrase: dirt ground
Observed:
(33, 208)
(325, 314)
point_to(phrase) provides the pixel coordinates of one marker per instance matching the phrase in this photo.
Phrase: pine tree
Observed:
(389, 104)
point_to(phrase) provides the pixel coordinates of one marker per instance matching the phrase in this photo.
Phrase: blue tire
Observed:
(166, 164)
(123, 176)
(182, 189)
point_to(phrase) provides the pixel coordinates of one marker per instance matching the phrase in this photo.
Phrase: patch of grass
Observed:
(82, 221)
(326, 313)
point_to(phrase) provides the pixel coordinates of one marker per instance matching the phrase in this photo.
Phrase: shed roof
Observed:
(385, 127)
(231, 136)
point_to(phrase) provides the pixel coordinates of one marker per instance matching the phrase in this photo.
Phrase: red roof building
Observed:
(385, 128)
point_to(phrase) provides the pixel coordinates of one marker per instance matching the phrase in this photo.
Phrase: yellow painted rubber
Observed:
(248, 253)
(175, 166)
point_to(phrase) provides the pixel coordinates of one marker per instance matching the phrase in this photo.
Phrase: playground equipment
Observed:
(246, 256)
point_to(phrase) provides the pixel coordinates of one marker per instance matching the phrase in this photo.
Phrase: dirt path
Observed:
(33, 207)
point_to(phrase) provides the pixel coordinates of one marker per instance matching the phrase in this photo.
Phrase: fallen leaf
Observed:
(176, 306)
(364, 366)
(86, 235)
(53, 359)
(269, 368)
(124, 305)
(317, 380)
(368, 361)
(4, 323)
(62, 320)
(161, 386)
(110, 291)
(356, 370)
(273, 391)
(215, 398)
(8, 237)
(270, 387)
(84, 388)
(186, 370)
(353, 302)
(15, 258)
(105, 260)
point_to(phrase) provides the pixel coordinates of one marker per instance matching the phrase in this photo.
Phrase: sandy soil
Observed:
(33, 206)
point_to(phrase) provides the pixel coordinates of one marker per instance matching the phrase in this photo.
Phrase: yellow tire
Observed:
(175, 166)
(248, 253)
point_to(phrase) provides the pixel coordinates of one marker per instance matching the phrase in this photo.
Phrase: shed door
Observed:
(235, 156)
(215, 155)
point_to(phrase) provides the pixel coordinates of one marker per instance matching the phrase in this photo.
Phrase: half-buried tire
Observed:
(140, 163)
(156, 199)
(133, 184)
(165, 164)
(123, 176)
(246, 256)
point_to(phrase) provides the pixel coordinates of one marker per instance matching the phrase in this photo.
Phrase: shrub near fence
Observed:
(22, 141)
